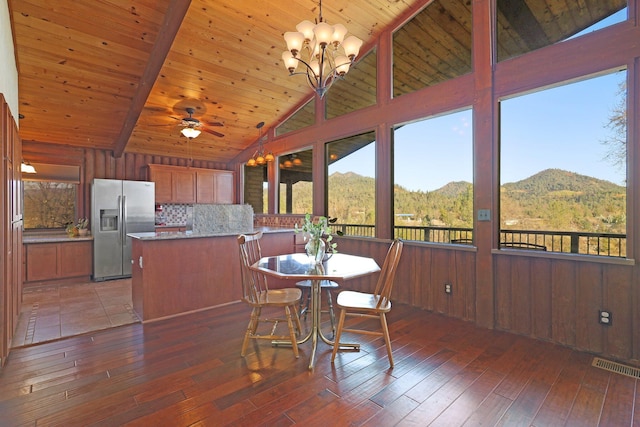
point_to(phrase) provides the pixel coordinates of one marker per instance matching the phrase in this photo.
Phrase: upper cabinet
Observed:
(214, 186)
(176, 184)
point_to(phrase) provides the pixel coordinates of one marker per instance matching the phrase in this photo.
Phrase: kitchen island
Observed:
(175, 273)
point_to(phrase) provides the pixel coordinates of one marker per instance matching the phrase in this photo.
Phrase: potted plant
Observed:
(319, 237)
(82, 226)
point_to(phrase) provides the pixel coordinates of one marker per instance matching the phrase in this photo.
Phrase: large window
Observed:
(296, 182)
(302, 118)
(433, 171)
(351, 186)
(50, 196)
(357, 90)
(524, 26)
(256, 188)
(434, 46)
(563, 168)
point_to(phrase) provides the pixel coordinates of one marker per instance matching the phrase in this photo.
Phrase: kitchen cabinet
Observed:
(214, 186)
(58, 260)
(173, 184)
(11, 228)
(162, 179)
(177, 184)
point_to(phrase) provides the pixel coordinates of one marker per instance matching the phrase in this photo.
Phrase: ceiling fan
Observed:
(191, 127)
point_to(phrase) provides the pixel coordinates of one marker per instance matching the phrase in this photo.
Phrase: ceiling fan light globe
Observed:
(190, 132)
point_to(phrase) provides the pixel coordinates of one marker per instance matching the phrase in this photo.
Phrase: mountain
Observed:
(552, 199)
(550, 181)
(454, 189)
(555, 199)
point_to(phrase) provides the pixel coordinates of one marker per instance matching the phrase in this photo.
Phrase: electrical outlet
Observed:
(448, 288)
(604, 317)
(484, 215)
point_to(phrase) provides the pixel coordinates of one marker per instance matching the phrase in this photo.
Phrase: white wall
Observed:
(8, 69)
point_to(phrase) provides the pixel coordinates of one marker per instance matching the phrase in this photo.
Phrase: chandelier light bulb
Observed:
(290, 62)
(294, 41)
(306, 28)
(339, 31)
(323, 33)
(342, 65)
(351, 46)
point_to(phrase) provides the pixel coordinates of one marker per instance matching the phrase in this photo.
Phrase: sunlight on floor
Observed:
(56, 311)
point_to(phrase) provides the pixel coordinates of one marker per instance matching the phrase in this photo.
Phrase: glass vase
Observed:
(315, 249)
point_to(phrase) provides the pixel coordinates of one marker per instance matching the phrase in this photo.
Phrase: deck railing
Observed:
(603, 244)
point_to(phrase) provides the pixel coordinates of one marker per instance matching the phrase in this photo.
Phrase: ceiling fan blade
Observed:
(213, 132)
(175, 118)
(213, 124)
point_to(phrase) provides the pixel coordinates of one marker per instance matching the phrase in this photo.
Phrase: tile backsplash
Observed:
(172, 215)
(205, 218)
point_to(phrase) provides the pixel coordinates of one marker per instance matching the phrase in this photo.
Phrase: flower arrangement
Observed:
(319, 234)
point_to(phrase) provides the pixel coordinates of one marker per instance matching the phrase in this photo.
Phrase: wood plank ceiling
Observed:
(119, 74)
(87, 75)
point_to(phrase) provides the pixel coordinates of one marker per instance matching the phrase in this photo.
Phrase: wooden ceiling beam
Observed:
(173, 20)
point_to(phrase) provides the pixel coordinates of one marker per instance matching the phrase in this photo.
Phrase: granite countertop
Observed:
(171, 235)
(28, 238)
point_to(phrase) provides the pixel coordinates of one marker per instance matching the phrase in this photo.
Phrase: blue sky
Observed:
(563, 128)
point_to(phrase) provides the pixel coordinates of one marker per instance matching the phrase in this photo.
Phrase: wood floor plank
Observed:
(618, 403)
(187, 371)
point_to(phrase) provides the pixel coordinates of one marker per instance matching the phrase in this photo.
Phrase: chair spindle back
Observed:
(253, 282)
(388, 273)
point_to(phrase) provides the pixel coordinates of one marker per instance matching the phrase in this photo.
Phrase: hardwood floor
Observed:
(188, 371)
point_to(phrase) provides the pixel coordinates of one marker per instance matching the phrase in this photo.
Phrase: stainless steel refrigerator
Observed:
(117, 208)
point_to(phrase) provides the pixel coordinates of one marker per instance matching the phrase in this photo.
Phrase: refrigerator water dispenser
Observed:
(108, 219)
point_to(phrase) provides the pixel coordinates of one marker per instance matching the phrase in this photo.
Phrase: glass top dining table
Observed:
(337, 267)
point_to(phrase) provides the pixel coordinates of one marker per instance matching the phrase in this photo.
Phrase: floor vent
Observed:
(618, 368)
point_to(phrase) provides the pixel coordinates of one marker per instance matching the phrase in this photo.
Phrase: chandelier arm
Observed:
(303, 72)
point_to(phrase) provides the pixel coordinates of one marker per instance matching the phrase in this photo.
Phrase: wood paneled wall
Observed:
(559, 300)
(96, 163)
(422, 274)
(544, 298)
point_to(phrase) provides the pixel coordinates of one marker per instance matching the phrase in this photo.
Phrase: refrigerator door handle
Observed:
(124, 218)
(120, 220)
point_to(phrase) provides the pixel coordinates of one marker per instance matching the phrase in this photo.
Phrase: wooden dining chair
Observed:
(372, 305)
(257, 294)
